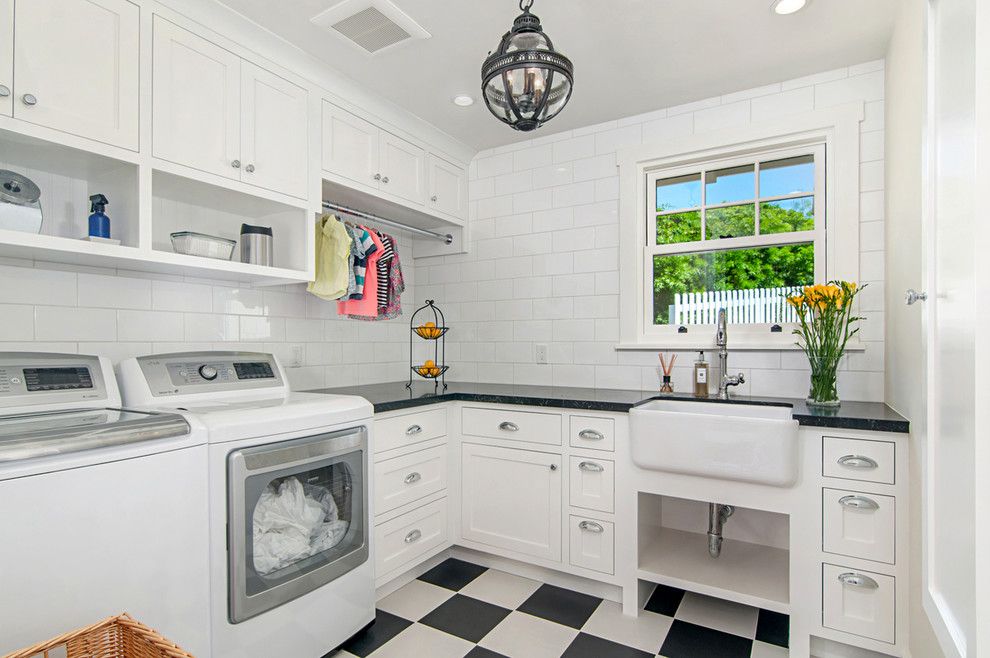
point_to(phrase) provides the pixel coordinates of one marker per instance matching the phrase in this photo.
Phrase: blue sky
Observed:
(738, 184)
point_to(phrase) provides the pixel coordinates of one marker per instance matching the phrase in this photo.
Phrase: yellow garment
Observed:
(333, 249)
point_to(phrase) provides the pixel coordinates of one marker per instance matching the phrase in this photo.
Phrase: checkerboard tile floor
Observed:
(460, 609)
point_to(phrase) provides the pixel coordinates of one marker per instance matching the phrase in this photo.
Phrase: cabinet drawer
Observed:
(592, 483)
(858, 602)
(402, 480)
(858, 459)
(592, 433)
(404, 540)
(512, 425)
(858, 525)
(592, 544)
(401, 431)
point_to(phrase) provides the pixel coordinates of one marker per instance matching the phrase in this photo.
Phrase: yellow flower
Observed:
(797, 301)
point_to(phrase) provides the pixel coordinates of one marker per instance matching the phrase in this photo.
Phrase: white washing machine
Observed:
(101, 508)
(290, 509)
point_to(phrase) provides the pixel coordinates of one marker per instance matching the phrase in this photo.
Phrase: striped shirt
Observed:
(384, 262)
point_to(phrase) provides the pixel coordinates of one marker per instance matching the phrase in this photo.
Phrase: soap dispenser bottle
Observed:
(701, 376)
(99, 222)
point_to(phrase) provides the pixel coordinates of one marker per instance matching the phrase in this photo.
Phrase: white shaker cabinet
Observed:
(7, 57)
(447, 185)
(197, 91)
(403, 166)
(511, 499)
(350, 146)
(274, 135)
(76, 67)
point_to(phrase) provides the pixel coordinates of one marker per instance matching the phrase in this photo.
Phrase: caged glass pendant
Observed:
(525, 81)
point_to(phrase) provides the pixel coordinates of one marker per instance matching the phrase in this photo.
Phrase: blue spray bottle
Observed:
(99, 223)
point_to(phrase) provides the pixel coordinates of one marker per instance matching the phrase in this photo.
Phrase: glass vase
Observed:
(823, 391)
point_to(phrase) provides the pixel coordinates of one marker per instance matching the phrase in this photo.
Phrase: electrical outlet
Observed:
(542, 353)
(296, 360)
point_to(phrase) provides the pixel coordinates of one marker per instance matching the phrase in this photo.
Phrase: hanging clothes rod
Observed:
(447, 238)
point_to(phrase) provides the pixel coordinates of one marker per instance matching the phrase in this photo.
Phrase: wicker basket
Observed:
(114, 637)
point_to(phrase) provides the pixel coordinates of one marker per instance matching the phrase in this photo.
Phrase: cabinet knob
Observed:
(29, 99)
(433, 198)
(385, 179)
(4, 91)
(236, 164)
(377, 176)
(912, 296)
(553, 467)
(249, 168)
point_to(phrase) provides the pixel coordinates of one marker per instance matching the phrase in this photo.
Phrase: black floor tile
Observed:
(774, 628)
(561, 605)
(589, 646)
(686, 640)
(665, 600)
(386, 627)
(453, 574)
(481, 652)
(465, 617)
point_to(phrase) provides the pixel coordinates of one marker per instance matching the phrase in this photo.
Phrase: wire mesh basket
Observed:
(114, 637)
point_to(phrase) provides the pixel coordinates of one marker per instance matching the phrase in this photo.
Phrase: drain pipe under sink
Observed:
(718, 514)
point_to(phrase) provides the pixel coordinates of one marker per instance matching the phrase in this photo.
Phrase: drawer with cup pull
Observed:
(592, 433)
(402, 541)
(858, 602)
(404, 479)
(408, 429)
(592, 483)
(858, 525)
(531, 426)
(592, 544)
(858, 459)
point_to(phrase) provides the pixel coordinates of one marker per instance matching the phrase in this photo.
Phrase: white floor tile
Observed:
(721, 615)
(420, 640)
(520, 634)
(415, 600)
(500, 588)
(764, 650)
(645, 632)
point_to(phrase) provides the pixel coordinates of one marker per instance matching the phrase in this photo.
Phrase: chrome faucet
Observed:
(721, 340)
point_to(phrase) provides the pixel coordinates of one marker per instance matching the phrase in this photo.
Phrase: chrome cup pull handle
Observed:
(4, 91)
(412, 477)
(857, 461)
(859, 502)
(858, 580)
(413, 536)
(591, 467)
(591, 526)
(413, 429)
(591, 435)
(508, 427)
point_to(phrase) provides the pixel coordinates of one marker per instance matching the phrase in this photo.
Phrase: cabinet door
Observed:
(76, 66)
(274, 132)
(448, 187)
(197, 102)
(403, 167)
(7, 57)
(350, 146)
(511, 499)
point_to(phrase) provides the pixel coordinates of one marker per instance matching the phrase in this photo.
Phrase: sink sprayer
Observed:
(718, 514)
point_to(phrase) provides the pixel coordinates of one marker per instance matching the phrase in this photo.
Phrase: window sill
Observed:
(738, 345)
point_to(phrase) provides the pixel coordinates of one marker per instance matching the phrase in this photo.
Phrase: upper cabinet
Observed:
(76, 64)
(448, 186)
(350, 146)
(225, 116)
(403, 167)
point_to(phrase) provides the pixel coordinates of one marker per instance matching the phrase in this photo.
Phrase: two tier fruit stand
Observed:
(431, 326)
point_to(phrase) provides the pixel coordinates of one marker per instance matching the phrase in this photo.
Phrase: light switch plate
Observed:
(542, 353)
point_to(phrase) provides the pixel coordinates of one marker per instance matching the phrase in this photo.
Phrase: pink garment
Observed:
(367, 306)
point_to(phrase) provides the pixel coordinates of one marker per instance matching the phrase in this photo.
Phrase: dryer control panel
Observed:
(200, 372)
(49, 378)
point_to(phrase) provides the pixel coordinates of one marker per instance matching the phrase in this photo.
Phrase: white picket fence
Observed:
(756, 306)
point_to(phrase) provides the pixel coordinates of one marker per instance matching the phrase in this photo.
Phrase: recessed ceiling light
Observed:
(784, 7)
(463, 100)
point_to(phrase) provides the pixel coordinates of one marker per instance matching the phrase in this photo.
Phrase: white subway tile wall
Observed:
(543, 264)
(59, 308)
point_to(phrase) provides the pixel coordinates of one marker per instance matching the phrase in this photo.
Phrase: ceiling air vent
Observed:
(371, 25)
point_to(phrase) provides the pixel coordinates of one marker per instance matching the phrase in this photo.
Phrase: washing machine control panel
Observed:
(178, 374)
(49, 378)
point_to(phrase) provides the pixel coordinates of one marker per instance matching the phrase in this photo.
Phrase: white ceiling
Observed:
(630, 56)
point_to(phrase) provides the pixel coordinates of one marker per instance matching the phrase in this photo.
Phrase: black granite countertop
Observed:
(875, 416)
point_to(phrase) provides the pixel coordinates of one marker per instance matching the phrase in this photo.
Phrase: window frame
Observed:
(835, 130)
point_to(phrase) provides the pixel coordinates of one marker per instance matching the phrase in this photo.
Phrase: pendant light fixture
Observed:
(525, 82)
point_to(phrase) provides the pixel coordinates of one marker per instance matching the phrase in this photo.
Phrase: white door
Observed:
(274, 132)
(448, 187)
(76, 66)
(403, 168)
(197, 102)
(951, 238)
(511, 499)
(7, 57)
(350, 146)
